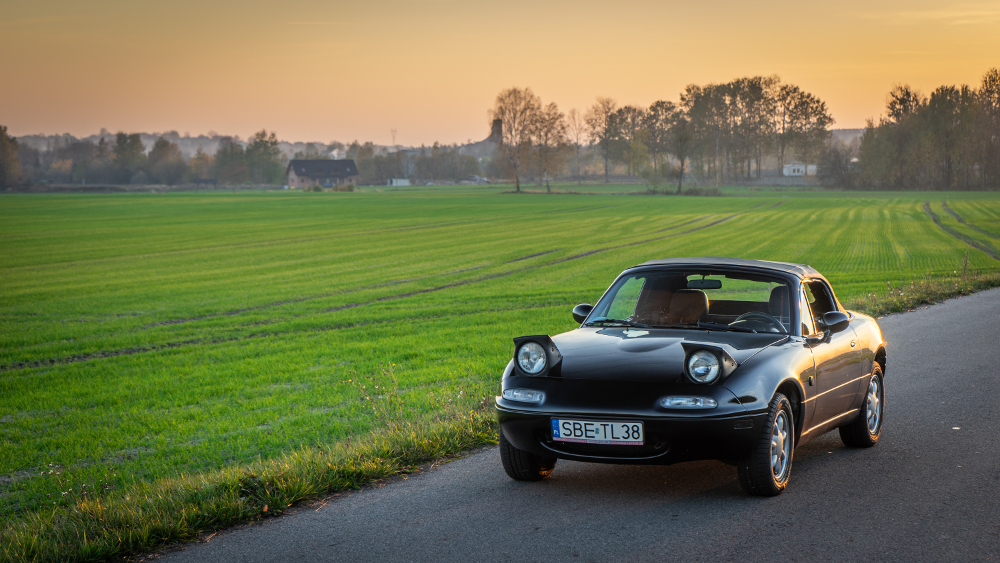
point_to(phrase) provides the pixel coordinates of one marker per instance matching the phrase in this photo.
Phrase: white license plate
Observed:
(597, 432)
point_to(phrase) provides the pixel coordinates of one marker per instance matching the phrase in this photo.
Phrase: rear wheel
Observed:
(865, 431)
(766, 471)
(524, 466)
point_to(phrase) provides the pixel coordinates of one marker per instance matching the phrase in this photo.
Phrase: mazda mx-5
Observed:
(696, 358)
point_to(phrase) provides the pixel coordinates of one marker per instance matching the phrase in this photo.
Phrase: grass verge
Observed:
(909, 295)
(141, 516)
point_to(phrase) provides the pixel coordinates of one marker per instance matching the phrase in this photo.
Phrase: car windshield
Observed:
(705, 299)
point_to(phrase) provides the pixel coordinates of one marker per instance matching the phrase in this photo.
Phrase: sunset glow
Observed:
(322, 71)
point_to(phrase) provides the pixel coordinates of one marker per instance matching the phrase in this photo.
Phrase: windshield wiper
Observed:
(712, 326)
(617, 322)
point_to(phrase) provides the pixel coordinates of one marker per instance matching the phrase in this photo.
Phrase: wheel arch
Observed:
(792, 389)
(880, 358)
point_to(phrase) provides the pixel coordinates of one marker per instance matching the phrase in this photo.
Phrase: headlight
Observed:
(531, 357)
(703, 366)
(523, 395)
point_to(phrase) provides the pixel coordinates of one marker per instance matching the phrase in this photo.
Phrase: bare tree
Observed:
(548, 135)
(517, 110)
(600, 128)
(576, 131)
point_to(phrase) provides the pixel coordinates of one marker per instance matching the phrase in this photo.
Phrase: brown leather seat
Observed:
(654, 303)
(687, 306)
(777, 304)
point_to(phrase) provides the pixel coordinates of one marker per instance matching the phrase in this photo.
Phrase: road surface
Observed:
(929, 491)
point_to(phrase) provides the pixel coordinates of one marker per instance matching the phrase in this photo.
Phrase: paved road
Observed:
(930, 491)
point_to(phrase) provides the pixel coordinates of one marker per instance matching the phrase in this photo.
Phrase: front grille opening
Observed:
(655, 445)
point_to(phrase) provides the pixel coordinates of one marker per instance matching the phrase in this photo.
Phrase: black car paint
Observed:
(621, 373)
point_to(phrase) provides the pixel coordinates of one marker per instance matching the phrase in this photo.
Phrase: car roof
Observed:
(800, 270)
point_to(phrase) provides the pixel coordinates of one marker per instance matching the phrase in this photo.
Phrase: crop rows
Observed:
(144, 336)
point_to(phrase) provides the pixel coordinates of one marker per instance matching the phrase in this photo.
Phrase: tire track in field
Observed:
(962, 221)
(152, 348)
(271, 305)
(211, 341)
(958, 235)
(289, 241)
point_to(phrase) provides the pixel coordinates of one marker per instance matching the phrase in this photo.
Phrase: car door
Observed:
(838, 361)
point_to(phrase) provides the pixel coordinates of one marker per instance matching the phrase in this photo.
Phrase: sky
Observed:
(430, 69)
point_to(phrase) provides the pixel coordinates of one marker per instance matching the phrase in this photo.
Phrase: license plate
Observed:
(597, 432)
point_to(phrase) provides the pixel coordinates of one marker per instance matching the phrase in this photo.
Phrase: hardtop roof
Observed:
(800, 270)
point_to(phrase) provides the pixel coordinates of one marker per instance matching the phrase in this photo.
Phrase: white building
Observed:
(799, 169)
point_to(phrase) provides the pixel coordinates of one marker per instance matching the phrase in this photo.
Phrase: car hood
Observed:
(645, 354)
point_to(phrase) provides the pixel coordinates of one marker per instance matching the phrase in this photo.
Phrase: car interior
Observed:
(664, 299)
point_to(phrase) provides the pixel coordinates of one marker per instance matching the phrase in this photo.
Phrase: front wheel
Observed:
(865, 431)
(765, 473)
(524, 466)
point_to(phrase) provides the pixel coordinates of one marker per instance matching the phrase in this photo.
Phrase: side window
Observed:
(805, 314)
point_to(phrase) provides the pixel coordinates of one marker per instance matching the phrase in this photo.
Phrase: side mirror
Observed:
(835, 321)
(581, 311)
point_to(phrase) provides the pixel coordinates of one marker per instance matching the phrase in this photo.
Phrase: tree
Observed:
(548, 135)
(627, 122)
(902, 102)
(517, 111)
(165, 163)
(837, 165)
(656, 123)
(576, 131)
(10, 164)
(129, 156)
(230, 162)
(263, 158)
(201, 165)
(680, 137)
(600, 129)
(312, 153)
(812, 124)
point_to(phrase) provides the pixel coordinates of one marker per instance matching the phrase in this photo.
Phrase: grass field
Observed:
(145, 336)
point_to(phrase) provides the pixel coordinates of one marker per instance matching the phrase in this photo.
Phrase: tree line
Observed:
(377, 166)
(124, 160)
(718, 133)
(948, 141)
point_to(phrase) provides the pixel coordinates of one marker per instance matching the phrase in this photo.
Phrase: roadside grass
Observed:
(153, 340)
(143, 516)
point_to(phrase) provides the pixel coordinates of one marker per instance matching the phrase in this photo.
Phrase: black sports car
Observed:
(696, 358)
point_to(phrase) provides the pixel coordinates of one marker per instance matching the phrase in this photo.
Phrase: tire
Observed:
(762, 474)
(865, 431)
(524, 466)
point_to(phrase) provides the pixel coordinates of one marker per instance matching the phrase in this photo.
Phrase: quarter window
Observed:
(805, 315)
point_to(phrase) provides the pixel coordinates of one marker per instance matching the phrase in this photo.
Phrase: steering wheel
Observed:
(758, 316)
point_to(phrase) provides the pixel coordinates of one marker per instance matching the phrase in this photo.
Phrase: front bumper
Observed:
(726, 433)
(668, 439)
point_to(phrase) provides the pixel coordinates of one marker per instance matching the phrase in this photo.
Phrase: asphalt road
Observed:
(929, 491)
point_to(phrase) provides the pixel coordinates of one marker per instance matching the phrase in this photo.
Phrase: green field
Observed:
(149, 335)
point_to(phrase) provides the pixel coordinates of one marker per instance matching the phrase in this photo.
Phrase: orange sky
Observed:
(322, 71)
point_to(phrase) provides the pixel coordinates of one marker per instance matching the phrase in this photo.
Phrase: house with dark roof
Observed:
(304, 173)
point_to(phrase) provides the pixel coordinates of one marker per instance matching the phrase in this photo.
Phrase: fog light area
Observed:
(523, 395)
(688, 403)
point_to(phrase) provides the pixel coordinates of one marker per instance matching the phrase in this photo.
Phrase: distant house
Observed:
(797, 169)
(304, 173)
